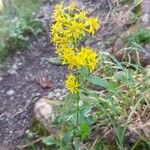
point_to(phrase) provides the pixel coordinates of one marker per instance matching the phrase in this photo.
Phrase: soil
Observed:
(21, 72)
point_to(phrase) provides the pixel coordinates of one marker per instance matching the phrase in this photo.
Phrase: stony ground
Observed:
(26, 76)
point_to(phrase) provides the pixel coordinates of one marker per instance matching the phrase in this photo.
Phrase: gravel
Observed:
(51, 95)
(10, 92)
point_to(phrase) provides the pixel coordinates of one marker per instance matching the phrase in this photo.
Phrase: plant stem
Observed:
(77, 111)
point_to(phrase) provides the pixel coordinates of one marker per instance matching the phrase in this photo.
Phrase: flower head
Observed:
(72, 84)
(94, 25)
(89, 57)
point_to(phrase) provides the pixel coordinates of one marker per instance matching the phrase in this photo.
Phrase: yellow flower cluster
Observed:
(71, 23)
(72, 84)
(86, 57)
(70, 26)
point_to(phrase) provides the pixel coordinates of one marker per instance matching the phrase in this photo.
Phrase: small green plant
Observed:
(142, 37)
(16, 30)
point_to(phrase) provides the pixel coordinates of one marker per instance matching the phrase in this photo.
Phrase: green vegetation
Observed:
(17, 25)
(142, 37)
(103, 116)
(107, 99)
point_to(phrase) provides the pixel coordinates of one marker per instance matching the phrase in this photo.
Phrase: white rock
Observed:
(15, 67)
(58, 95)
(57, 91)
(44, 112)
(20, 64)
(38, 94)
(12, 72)
(64, 91)
(1, 78)
(10, 92)
(51, 95)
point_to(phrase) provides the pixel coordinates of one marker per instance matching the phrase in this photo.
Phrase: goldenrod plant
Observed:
(70, 27)
(103, 94)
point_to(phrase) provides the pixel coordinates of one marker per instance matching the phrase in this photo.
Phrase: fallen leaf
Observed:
(44, 83)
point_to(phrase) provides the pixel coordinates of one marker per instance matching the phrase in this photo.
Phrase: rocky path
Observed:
(26, 77)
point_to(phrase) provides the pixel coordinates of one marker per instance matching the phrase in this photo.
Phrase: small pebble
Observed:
(20, 64)
(12, 72)
(57, 91)
(38, 94)
(15, 67)
(10, 92)
(57, 95)
(64, 91)
(51, 95)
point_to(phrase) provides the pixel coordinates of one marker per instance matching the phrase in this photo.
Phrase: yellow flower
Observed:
(71, 7)
(70, 26)
(94, 25)
(81, 16)
(89, 57)
(72, 84)
(69, 58)
(58, 12)
(76, 29)
(56, 28)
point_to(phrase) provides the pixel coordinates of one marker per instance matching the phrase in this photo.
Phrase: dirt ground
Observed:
(19, 88)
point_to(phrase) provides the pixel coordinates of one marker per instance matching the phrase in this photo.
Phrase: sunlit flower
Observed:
(72, 84)
(71, 7)
(89, 56)
(58, 11)
(94, 25)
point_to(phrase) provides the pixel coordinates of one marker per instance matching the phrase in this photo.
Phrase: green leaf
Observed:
(99, 81)
(77, 144)
(54, 60)
(84, 130)
(48, 141)
(68, 136)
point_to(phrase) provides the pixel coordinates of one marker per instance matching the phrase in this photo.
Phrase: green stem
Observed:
(77, 113)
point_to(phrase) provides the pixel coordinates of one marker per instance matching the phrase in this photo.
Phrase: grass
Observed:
(106, 117)
(142, 37)
(17, 28)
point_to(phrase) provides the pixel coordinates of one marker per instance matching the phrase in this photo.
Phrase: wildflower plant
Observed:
(103, 99)
(70, 26)
(85, 110)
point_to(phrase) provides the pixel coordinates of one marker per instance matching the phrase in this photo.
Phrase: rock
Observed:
(44, 112)
(145, 18)
(57, 91)
(20, 64)
(10, 92)
(122, 55)
(123, 17)
(64, 91)
(12, 72)
(118, 46)
(1, 78)
(38, 94)
(58, 95)
(51, 95)
(15, 67)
